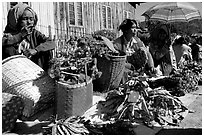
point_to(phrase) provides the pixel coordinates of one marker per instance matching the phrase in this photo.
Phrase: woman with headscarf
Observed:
(182, 50)
(161, 49)
(196, 46)
(21, 37)
(138, 56)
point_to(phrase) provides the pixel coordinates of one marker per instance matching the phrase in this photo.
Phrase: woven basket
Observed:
(22, 77)
(73, 100)
(112, 68)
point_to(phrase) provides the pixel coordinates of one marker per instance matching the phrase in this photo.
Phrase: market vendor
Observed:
(182, 50)
(138, 56)
(196, 46)
(21, 37)
(161, 49)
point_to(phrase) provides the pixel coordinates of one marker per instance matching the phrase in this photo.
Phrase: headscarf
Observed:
(15, 14)
(157, 29)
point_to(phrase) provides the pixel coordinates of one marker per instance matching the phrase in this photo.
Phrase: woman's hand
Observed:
(27, 30)
(29, 52)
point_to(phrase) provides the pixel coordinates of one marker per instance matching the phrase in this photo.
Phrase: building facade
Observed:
(60, 20)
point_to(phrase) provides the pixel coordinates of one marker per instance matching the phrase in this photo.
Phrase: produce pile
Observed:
(125, 108)
(138, 59)
(79, 62)
(139, 101)
(106, 33)
(184, 80)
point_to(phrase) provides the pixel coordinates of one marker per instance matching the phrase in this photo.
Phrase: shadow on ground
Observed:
(186, 131)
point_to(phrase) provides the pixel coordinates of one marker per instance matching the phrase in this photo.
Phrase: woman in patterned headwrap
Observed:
(161, 49)
(21, 37)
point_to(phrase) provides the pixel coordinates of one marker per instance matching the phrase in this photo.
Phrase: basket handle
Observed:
(85, 67)
(67, 73)
(106, 57)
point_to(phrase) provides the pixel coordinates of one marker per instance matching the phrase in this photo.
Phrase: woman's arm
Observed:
(44, 43)
(9, 39)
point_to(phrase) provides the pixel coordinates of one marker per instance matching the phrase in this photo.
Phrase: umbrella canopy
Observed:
(173, 12)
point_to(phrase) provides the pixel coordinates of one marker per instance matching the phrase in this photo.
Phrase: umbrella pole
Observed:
(187, 29)
(170, 30)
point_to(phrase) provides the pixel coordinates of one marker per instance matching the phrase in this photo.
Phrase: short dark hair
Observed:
(180, 40)
(127, 24)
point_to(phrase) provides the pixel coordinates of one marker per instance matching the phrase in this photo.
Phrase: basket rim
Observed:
(116, 56)
(24, 82)
(76, 85)
(12, 57)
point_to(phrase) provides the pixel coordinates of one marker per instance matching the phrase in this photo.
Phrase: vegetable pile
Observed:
(78, 62)
(184, 80)
(129, 106)
(137, 102)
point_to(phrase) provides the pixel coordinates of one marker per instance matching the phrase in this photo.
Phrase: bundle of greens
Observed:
(76, 63)
(184, 80)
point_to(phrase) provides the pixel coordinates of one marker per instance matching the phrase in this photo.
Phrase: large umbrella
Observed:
(173, 12)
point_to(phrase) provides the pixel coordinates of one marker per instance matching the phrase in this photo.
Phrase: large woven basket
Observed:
(22, 77)
(73, 100)
(112, 68)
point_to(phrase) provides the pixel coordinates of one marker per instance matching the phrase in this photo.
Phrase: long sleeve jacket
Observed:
(36, 39)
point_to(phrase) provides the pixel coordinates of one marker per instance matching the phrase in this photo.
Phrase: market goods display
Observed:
(106, 33)
(142, 106)
(69, 126)
(184, 80)
(22, 77)
(139, 101)
(132, 105)
(138, 59)
(77, 63)
(74, 73)
(165, 108)
(97, 54)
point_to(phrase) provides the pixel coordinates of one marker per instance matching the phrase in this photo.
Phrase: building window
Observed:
(75, 13)
(109, 17)
(79, 14)
(61, 10)
(106, 17)
(71, 13)
(127, 14)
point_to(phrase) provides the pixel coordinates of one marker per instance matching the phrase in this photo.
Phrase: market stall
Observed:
(142, 105)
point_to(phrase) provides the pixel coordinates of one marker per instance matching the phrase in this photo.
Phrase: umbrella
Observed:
(173, 12)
